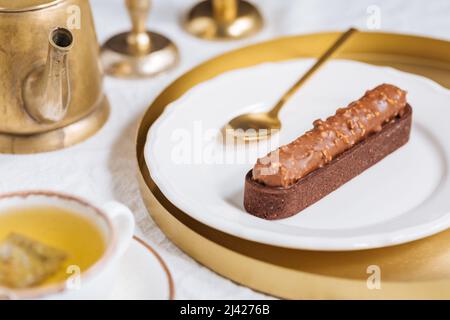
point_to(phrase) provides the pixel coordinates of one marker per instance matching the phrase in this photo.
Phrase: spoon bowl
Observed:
(253, 126)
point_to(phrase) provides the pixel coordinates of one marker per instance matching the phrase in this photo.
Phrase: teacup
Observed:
(113, 221)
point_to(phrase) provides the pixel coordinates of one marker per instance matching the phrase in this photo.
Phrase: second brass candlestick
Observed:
(138, 53)
(223, 20)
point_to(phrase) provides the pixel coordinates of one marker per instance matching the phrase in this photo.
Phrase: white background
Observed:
(104, 167)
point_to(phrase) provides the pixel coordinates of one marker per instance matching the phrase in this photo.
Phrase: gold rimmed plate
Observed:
(415, 270)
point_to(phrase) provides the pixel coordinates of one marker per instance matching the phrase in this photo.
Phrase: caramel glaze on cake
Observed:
(317, 147)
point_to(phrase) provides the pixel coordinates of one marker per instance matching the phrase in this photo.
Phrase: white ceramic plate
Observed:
(402, 198)
(143, 275)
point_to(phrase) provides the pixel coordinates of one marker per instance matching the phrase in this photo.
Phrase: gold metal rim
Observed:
(291, 273)
(58, 138)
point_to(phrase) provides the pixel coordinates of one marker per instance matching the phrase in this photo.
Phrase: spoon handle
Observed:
(339, 42)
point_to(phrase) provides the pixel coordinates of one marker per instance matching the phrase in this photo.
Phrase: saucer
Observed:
(402, 198)
(143, 275)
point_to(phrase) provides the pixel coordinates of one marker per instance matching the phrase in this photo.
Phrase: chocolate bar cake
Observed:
(336, 150)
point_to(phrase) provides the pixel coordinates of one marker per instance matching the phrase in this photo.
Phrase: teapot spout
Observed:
(46, 91)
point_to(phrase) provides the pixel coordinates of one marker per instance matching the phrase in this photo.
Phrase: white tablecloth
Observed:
(104, 168)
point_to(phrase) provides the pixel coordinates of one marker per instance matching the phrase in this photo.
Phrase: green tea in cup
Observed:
(40, 245)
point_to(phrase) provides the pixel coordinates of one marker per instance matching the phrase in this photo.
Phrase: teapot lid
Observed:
(25, 5)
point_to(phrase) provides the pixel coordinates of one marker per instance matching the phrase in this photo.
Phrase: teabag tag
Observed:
(25, 262)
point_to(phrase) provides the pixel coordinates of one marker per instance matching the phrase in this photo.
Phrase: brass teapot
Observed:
(51, 93)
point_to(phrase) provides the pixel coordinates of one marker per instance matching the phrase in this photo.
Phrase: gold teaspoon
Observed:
(258, 126)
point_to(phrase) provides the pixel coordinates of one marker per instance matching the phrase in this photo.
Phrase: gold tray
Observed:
(420, 269)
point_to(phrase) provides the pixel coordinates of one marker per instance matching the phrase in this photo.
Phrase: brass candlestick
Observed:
(223, 20)
(138, 53)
